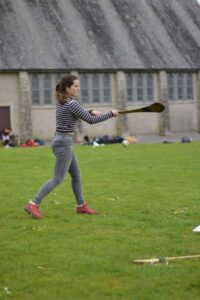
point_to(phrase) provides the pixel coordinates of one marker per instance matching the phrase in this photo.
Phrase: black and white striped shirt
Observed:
(68, 113)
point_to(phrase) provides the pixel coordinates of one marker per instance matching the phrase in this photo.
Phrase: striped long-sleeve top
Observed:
(70, 111)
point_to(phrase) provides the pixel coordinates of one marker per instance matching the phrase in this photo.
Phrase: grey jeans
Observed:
(66, 161)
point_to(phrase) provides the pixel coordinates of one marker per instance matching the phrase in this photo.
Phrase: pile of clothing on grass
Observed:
(33, 143)
(107, 139)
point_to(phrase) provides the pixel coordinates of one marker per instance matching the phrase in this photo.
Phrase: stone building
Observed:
(127, 53)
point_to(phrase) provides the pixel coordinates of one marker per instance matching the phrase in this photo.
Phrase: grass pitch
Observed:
(148, 202)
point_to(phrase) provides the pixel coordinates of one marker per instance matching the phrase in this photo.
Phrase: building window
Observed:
(129, 84)
(189, 92)
(35, 90)
(95, 88)
(43, 87)
(140, 87)
(84, 89)
(150, 95)
(170, 86)
(180, 86)
(106, 88)
(47, 89)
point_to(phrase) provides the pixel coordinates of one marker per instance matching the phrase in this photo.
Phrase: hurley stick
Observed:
(163, 260)
(155, 107)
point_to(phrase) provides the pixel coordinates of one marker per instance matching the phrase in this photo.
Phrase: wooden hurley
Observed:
(153, 108)
(163, 260)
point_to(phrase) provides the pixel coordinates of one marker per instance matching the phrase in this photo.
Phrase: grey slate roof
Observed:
(96, 34)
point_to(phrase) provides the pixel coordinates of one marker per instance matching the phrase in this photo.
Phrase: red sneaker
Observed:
(33, 210)
(85, 209)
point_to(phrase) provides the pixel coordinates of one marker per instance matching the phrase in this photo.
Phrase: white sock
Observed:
(80, 205)
(31, 202)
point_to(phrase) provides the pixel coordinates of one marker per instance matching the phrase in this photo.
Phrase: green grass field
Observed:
(148, 199)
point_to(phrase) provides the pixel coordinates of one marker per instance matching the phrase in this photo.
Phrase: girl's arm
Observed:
(81, 113)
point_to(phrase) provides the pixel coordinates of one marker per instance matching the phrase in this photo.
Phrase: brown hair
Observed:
(66, 82)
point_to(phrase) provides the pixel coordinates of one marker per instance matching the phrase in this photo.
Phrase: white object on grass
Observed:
(95, 144)
(125, 143)
(196, 229)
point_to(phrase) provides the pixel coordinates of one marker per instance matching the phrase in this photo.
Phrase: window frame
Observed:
(47, 88)
(34, 90)
(133, 87)
(100, 89)
(54, 79)
(184, 85)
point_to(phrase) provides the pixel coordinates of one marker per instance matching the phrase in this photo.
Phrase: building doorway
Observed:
(4, 117)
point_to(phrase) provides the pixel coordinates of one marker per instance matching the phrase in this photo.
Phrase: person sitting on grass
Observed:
(68, 112)
(8, 139)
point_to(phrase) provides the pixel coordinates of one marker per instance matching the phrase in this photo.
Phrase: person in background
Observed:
(8, 139)
(68, 112)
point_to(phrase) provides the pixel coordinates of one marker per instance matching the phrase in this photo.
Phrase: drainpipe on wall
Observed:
(25, 121)
(164, 118)
(121, 103)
